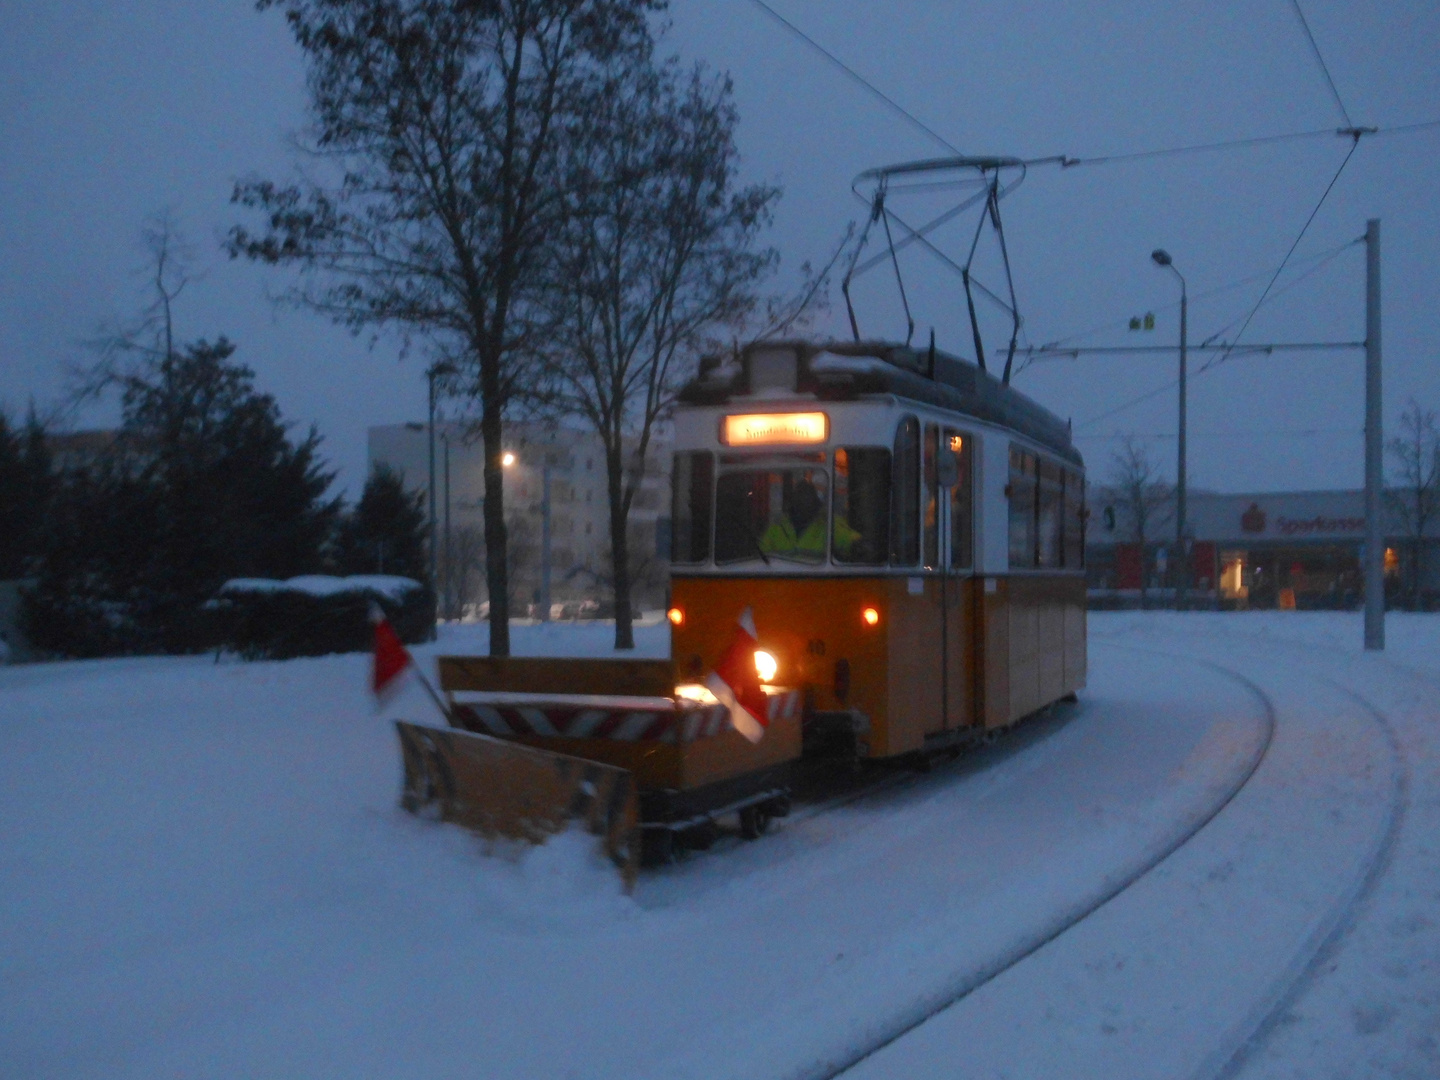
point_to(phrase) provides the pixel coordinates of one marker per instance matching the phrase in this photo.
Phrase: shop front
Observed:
(1277, 550)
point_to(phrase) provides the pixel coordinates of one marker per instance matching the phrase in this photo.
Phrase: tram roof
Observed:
(849, 370)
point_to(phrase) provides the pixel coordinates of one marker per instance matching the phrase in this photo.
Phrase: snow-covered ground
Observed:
(1224, 861)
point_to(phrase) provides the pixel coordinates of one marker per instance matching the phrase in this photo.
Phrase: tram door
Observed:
(947, 546)
(956, 491)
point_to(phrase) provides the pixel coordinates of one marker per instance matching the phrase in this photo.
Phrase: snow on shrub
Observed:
(262, 618)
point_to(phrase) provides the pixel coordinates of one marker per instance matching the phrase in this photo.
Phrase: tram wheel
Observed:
(658, 847)
(700, 837)
(754, 821)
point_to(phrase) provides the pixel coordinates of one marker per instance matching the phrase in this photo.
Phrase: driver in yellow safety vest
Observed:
(806, 534)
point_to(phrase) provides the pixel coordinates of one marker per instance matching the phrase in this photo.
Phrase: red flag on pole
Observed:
(391, 657)
(736, 683)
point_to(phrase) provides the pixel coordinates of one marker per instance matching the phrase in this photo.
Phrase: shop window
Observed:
(1022, 490)
(905, 495)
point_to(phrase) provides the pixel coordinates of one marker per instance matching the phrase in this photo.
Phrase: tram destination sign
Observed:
(767, 429)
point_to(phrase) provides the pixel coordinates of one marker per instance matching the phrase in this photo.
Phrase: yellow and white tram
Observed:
(907, 531)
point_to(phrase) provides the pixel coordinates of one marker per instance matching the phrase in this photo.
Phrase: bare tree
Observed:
(1136, 479)
(1415, 494)
(658, 252)
(466, 557)
(443, 120)
(133, 347)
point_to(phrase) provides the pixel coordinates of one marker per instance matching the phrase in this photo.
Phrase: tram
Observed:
(906, 529)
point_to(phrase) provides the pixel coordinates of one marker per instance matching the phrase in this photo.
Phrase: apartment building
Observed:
(553, 472)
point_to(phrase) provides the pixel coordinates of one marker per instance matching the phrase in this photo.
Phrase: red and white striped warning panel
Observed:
(577, 716)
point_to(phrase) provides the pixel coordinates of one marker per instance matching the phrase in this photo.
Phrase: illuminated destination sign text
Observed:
(764, 429)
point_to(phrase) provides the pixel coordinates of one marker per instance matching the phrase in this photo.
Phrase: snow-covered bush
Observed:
(261, 618)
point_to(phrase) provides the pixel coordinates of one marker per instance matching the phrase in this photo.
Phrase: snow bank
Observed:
(206, 873)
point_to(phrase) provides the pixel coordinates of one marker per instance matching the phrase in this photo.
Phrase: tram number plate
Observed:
(915, 586)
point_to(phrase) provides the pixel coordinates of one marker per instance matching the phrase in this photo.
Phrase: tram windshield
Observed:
(772, 513)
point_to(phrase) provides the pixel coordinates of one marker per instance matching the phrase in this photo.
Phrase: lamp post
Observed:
(439, 369)
(449, 594)
(1182, 562)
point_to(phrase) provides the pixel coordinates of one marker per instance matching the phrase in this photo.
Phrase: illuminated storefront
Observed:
(1288, 550)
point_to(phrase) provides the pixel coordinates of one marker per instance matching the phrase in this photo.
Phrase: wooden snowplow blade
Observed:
(500, 788)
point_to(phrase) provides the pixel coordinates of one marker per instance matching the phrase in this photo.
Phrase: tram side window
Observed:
(860, 531)
(692, 481)
(1051, 517)
(905, 495)
(1023, 490)
(962, 501)
(1074, 520)
(932, 496)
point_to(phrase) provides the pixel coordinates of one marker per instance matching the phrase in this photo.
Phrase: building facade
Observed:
(555, 473)
(1287, 550)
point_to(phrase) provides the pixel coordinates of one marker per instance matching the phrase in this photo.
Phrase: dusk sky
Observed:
(112, 113)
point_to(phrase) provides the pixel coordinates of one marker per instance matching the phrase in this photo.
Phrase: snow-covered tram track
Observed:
(968, 982)
(1208, 1029)
(1271, 1010)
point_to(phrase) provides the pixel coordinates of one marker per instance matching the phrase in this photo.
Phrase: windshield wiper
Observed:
(755, 540)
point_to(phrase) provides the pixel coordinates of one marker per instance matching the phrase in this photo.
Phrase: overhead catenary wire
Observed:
(1068, 161)
(1324, 68)
(1210, 365)
(889, 102)
(1052, 351)
(1223, 357)
(1292, 433)
(1334, 254)
(1351, 130)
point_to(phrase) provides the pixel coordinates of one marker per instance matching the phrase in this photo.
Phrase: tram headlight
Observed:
(676, 616)
(766, 666)
(871, 616)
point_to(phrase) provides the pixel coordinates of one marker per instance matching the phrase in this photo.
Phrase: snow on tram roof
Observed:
(845, 370)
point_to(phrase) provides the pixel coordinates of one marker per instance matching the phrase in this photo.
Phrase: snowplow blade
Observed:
(499, 788)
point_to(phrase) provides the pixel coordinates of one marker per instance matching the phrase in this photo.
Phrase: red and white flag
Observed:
(392, 659)
(736, 684)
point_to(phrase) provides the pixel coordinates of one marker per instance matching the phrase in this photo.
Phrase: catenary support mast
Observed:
(1374, 448)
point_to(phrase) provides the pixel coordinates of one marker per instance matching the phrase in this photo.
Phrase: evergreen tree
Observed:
(25, 485)
(203, 485)
(385, 534)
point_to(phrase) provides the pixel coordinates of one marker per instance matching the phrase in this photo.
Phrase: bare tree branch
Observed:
(658, 251)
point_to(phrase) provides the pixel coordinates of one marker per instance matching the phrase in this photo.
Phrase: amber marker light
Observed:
(871, 616)
(765, 429)
(676, 616)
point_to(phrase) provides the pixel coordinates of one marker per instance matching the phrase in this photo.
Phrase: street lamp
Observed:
(1162, 258)
(439, 369)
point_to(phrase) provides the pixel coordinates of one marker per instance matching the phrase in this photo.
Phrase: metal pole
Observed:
(430, 498)
(449, 566)
(545, 540)
(1374, 448)
(1182, 559)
